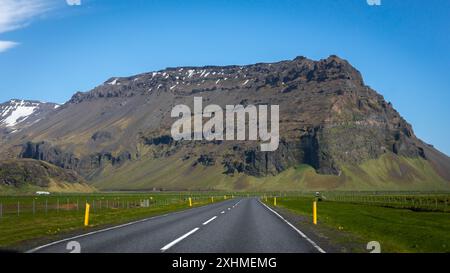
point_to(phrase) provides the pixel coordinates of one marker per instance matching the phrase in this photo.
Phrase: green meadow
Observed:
(401, 223)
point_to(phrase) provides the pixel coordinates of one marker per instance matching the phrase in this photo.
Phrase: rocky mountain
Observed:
(18, 114)
(335, 132)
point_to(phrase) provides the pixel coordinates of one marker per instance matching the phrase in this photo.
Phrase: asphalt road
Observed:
(233, 226)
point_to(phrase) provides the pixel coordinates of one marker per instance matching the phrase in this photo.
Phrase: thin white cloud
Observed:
(5, 45)
(15, 14)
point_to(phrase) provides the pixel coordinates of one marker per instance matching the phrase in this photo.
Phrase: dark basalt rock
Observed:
(205, 160)
(85, 165)
(161, 140)
(102, 136)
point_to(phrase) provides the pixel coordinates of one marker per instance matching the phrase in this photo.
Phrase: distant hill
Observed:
(336, 133)
(29, 175)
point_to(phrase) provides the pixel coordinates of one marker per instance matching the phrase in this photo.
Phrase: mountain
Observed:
(28, 175)
(18, 114)
(335, 133)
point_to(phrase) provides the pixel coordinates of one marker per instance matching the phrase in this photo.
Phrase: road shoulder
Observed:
(329, 239)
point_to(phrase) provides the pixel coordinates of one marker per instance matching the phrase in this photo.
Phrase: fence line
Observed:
(38, 206)
(433, 202)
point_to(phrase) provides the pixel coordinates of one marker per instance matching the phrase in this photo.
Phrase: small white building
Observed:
(42, 193)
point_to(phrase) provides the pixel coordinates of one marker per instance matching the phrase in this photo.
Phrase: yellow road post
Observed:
(190, 202)
(275, 201)
(86, 215)
(315, 213)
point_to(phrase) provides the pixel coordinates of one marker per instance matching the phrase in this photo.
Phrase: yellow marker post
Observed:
(190, 202)
(86, 215)
(212, 199)
(225, 197)
(275, 201)
(315, 213)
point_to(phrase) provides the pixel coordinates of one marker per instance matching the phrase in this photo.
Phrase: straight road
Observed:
(233, 226)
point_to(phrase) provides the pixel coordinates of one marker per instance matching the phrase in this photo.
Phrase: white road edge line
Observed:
(108, 229)
(207, 222)
(296, 229)
(176, 241)
(94, 232)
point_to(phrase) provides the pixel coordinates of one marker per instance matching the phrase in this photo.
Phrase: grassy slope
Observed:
(389, 172)
(33, 175)
(397, 230)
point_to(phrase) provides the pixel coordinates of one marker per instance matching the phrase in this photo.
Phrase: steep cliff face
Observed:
(328, 119)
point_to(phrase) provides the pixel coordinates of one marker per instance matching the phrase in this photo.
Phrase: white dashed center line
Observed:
(169, 245)
(207, 222)
(176, 241)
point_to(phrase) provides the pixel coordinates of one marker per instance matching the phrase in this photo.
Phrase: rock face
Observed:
(328, 118)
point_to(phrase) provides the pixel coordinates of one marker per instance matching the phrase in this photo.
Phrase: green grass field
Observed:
(381, 218)
(24, 218)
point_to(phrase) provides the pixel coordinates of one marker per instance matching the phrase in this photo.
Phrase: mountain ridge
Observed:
(126, 120)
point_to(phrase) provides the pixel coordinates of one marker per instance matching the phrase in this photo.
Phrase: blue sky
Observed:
(49, 49)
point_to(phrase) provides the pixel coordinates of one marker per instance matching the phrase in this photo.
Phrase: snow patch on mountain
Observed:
(21, 113)
(15, 112)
